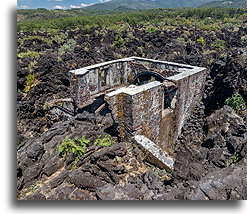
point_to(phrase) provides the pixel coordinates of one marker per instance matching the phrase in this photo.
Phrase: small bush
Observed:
(106, 141)
(69, 146)
(208, 21)
(77, 147)
(60, 37)
(31, 81)
(67, 47)
(201, 40)
(236, 102)
(181, 41)
(218, 45)
(44, 40)
(29, 54)
(82, 141)
(209, 27)
(244, 38)
(233, 159)
(119, 41)
(32, 64)
(151, 29)
(33, 187)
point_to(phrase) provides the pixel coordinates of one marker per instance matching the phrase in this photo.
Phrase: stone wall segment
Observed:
(141, 110)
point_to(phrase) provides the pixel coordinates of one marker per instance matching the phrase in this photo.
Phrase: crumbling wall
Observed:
(143, 112)
(121, 107)
(98, 78)
(147, 111)
(95, 79)
(166, 69)
(138, 110)
(189, 92)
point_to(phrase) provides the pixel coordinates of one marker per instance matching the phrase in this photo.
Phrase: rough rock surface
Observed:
(43, 174)
(222, 184)
(210, 152)
(213, 166)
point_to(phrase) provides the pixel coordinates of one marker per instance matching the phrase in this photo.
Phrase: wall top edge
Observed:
(181, 67)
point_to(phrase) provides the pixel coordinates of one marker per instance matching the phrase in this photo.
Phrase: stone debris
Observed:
(156, 155)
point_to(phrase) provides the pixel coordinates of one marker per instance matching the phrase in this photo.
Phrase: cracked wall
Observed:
(137, 110)
(156, 107)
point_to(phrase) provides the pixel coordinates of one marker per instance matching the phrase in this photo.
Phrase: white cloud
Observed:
(23, 7)
(85, 5)
(74, 6)
(59, 7)
(102, 1)
(57, 0)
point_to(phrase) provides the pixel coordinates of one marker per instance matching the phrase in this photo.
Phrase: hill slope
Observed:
(227, 4)
(146, 4)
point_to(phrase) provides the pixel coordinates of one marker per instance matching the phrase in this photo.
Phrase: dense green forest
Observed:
(32, 15)
(60, 20)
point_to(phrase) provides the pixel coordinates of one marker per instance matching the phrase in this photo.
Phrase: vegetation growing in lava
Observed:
(51, 43)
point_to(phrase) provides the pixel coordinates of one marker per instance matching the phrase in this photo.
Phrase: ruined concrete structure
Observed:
(150, 100)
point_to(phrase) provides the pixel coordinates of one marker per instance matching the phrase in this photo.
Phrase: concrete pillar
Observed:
(138, 110)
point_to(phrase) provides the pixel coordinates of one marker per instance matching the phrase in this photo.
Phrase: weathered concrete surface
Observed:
(156, 155)
(190, 85)
(94, 79)
(138, 110)
(157, 110)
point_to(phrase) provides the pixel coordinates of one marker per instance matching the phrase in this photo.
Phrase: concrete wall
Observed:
(137, 110)
(140, 110)
(190, 87)
(94, 79)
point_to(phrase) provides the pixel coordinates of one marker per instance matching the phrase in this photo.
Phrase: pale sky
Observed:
(55, 4)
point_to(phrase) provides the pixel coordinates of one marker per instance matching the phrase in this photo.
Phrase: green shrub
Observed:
(208, 21)
(201, 41)
(29, 54)
(31, 81)
(182, 41)
(82, 141)
(61, 37)
(244, 38)
(151, 29)
(69, 146)
(119, 41)
(233, 159)
(209, 27)
(46, 106)
(129, 37)
(77, 147)
(32, 64)
(218, 45)
(44, 40)
(236, 101)
(67, 47)
(105, 141)
(32, 188)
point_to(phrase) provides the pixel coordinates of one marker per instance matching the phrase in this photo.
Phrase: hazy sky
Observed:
(55, 4)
